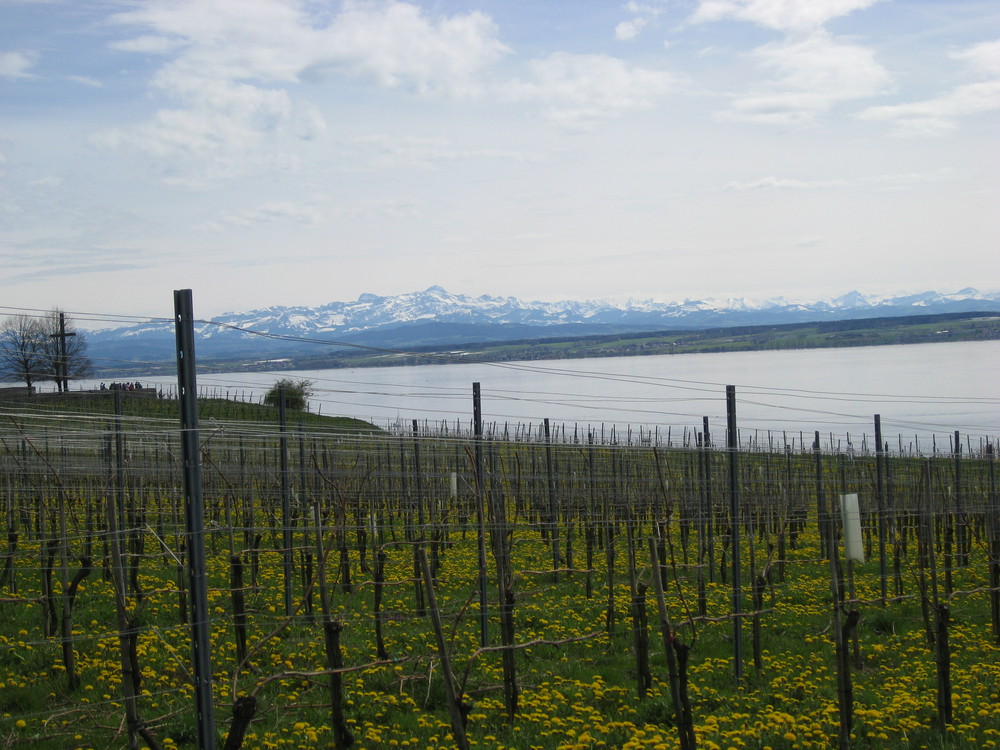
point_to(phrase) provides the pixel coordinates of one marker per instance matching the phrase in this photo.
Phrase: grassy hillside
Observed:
(83, 409)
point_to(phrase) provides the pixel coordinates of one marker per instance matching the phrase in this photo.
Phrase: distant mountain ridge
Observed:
(437, 317)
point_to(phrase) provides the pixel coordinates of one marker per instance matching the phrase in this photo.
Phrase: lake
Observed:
(923, 393)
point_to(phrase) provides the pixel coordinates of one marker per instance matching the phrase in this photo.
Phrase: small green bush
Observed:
(296, 393)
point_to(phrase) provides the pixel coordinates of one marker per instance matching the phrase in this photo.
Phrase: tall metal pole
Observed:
(707, 504)
(960, 527)
(123, 529)
(477, 422)
(194, 514)
(733, 446)
(880, 492)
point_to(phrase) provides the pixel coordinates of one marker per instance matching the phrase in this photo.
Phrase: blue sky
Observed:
(277, 152)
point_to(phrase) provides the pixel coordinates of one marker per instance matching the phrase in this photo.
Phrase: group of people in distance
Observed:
(136, 386)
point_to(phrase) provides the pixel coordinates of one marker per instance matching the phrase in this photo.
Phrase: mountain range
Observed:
(436, 317)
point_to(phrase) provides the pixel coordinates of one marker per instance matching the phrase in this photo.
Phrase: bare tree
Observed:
(35, 349)
(64, 351)
(22, 338)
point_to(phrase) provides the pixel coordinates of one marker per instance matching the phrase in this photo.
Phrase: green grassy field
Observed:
(580, 693)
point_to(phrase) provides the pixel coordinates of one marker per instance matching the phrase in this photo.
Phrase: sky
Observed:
(297, 152)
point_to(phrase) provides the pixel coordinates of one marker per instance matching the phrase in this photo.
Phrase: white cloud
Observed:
(86, 81)
(634, 7)
(16, 64)
(984, 57)
(642, 15)
(47, 183)
(941, 114)
(390, 152)
(629, 29)
(807, 242)
(812, 75)
(783, 15)
(283, 211)
(227, 129)
(149, 44)
(395, 44)
(580, 89)
(391, 43)
(893, 182)
(316, 212)
(784, 183)
(811, 70)
(232, 61)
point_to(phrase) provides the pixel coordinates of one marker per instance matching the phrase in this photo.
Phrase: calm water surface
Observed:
(919, 391)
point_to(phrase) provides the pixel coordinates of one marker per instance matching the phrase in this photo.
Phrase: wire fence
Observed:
(363, 561)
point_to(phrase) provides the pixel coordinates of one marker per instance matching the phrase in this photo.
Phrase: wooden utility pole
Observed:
(62, 365)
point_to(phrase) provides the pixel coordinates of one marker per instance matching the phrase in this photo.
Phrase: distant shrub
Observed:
(296, 393)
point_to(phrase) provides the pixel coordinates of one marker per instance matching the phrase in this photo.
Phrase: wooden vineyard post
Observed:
(9, 574)
(640, 627)
(418, 534)
(456, 707)
(286, 504)
(609, 545)
(993, 529)
(68, 589)
(961, 529)
(881, 504)
(677, 658)
(591, 515)
(126, 631)
(239, 607)
(343, 737)
(822, 517)
(842, 627)
(897, 525)
(553, 521)
(379, 564)
(925, 553)
(68, 593)
(505, 585)
(302, 500)
(942, 616)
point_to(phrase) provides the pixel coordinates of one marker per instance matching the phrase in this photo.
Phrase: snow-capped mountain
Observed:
(437, 317)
